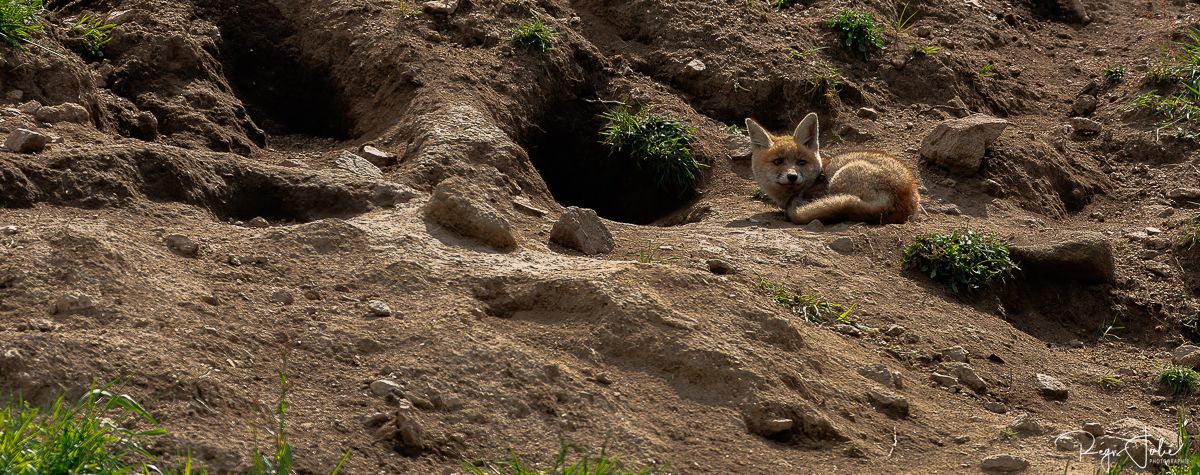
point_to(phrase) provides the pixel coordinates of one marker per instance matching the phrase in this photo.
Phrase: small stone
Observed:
(955, 353)
(882, 375)
(441, 7)
(259, 222)
(889, 403)
(1050, 387)
(1086, 257)
(845, 329)
(26, 141)
(376, 420)
(1085, 126)
(695, 66)
(66, 112)
(524, 205)
(357, 165)
(388, 194)
(996, 407)
(384, 387)
(1186, 355)
(1004, 463)
(966, 375)
(738, 147)
(1184, 195)
(842, 244)
(721, 267)
(943, 380)
(282, 297)
(182, 245)
(292, 163)
(894, 330)
(379, 308)
(71, 303)
(9, 230)
(1084, 105)
(461, 206)
(960, 144)
(376, 156)
(1027, 425)
(1152, 231)
(1094, 428)
(1066, 442)
(868, 113)
(775, 426)
(581, 229)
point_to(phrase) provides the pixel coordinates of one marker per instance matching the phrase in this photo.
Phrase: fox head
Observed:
(785, 166)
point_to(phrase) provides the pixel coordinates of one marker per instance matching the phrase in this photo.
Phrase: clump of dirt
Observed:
(297, 144)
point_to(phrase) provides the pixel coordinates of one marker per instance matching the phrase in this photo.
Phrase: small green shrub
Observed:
(1178, 379)
(94, 33)
(1175, 102)
(1108, 382)
(588, 464)
(1190, 327)
(533, 36)
(19, 20)
(1113, 74)
(406, 10)
(812, 307)
(963, 260)
(985, 72)
(857, 30)
(658, 147)
(1187, 458)
(918, 51)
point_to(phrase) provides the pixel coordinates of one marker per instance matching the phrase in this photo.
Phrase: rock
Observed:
(882, 375)
(1140, 451)
(959, 144)
(1027, 425)
(889, 403)
(775, 426)
(1084, 105)
(1129, 429)
(9, 230)
(182, 245)
(74, 302)
(388, 194)
(384, 387)
(894, 330)
(1086, 257)
(441, 7)
(1049, 387)
(292, 163)
(695, 66)
(845, 329)
(737, 146)
(581, 229)
(282, 297)
(375, 420)
(1066, 442)
(65, 112)
(955, 353)
(523, 205)
(721, 267)
(868, 113)
(368, 346)
(996, 407)
(965, 374)
(842, 244)
(376, 156)
(409, 434)
(259, 222)
(457, 206)
(958, 107)
(1094, 428)
(1085, 126)
(357, 165)
(1186, 355)
(379, 308)
(943, 380)
(26, 141)
(1185, 195)
(1004, 463)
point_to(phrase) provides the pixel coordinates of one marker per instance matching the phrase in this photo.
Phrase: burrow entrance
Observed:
(580, 171)
(283, 92)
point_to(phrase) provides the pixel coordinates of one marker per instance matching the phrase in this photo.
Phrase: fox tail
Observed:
(840, 207)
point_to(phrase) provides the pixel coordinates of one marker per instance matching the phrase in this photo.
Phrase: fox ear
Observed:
(808, 132)
(759, 138)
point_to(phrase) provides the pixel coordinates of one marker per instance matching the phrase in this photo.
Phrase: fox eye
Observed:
(802, 162)
(778, 161)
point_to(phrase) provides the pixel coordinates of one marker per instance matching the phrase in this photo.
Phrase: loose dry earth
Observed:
(228, 122)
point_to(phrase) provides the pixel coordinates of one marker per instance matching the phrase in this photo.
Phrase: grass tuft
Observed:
(589, 463)
(857, 30)
(1114, 74)
(904, 18)
(407, 11)
(918, 51)
(812, 307)
(963, 260)
(1178, 379)
(1175, 100)
(19, 20)
(533, 36)
(1189, 326)
(94, 33)
(1108, 382)
(658, 147)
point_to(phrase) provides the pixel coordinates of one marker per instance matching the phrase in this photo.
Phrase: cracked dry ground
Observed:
(229, 123)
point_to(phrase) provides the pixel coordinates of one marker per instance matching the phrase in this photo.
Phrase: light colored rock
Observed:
(388, 194)
(882, 375)
(943, 380)
(259, 222)
(457, 205)
(383, 387)
(357, 165)
(1049, 386)
(524, 205)
(1185, 195)
(182, 245)
(868, 113)
(1004, 463)
(9, 230)
(1027, 425)
(894, 330)
(1186, 355)
(959, 145)
(996, 407)
(965, 375)
(1066, 442)
(581, 229)
(842, 244)
(1084, 105)
(1094, 428)
(376, 156)
(441, 7)
(888, 402)
(379, 308)
(695, 66)
(737, 146)
(1085, 126)
(26, 141)
(955, 354)
(65, 112)
(775, 426)
(1130, 428)
(846, 329)
(1086, 257)
(70, 303)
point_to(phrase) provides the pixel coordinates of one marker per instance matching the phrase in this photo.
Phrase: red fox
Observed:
(865, 186)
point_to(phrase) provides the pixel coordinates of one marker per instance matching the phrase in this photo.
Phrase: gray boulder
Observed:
(959, 144)
(581, 229)
(1086, 257)
(457, 206)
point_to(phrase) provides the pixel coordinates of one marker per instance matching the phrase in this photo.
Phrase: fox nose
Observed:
(792, 177)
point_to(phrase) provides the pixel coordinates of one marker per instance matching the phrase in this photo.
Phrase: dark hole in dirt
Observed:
(579, 170)
(274, 198)
(283, 92)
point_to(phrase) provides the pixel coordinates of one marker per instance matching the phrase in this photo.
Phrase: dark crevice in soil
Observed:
(579, 171)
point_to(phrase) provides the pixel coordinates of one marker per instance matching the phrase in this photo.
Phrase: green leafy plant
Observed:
(94, 33)
(828, 83)
(1187, 458)
(659, 147)
(1178, 379)
(904, 18)
(1175, 102)
(533, 36)
(963, 260)
(1108, 382)
(407, 10)
(857, 30)
(589, 463)
(19, 20)
(985, 72)
(918, 51)
(650, 255)
(1008, 434)
(812, 307)
(1190, 327)
(1109, 330)
(1113, 74)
